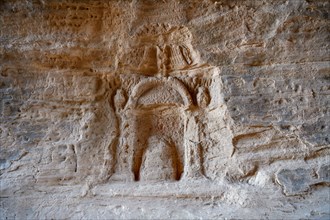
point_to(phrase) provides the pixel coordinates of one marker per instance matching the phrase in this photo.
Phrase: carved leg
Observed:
(122, 171)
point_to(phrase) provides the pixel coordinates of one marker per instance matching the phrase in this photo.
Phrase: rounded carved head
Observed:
(203, 97)
(120, 99)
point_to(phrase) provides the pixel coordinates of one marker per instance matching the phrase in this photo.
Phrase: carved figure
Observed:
(121, 151)
(120, 100)
(160, 130)
(203, 97)
(161, 50)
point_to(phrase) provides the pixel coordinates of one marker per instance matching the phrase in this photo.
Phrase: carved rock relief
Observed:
(164, 107)
(70, 114)
(168, 165)
(159, 119)
(160, 49)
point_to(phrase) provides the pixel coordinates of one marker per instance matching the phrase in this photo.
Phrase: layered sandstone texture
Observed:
(185, 109)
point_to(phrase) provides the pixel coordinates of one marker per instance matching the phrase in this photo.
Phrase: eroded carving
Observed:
(162, 127)
(168, 165)
(153, 119)
(121, 162)
(62, 165)
(68, 75)
(161, 49)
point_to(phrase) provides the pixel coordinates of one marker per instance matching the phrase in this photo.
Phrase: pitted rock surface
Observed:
(164, 109)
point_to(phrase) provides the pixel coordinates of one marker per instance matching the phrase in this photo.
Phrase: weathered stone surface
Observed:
(164, 109)
(298, 181)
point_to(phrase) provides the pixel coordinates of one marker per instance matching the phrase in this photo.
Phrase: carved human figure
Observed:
(122, 164)
(120, 100)
(203, 97)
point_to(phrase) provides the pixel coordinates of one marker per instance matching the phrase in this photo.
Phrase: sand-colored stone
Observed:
(164, 109)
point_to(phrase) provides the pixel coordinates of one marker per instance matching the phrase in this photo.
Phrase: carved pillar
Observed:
(193, 149)
(194, 131)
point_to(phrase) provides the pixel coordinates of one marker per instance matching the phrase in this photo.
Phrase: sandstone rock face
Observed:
(164, 109)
